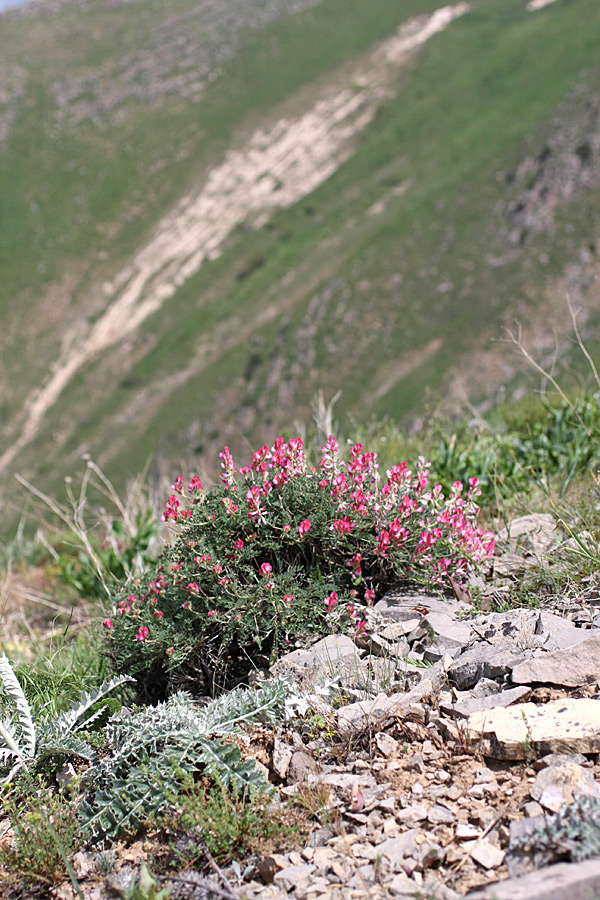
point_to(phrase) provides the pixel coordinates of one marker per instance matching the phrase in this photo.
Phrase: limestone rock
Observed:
(555, 786)
(561, 726)
(464, 708)
(565, 881)
(574, 667)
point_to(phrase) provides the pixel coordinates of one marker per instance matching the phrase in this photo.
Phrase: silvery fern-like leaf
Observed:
(263, 704)
(68, 744)
(71, 720)
(10, 682)
(6, 754)
(226, 763)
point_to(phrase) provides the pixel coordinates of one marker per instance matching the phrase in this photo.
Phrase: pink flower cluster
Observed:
(401, 517)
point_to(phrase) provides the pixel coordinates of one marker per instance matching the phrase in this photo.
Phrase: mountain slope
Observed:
(437, 177)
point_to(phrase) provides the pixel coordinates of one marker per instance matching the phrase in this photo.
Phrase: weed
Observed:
(317, 801)
(46, 833)
(227, 822)
(145, 887)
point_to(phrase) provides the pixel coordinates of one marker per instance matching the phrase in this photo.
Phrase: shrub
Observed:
(281, 550)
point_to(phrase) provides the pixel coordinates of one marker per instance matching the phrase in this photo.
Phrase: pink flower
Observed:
(193, 588)
(212, 612)
(187, 604)
(195, 485)
(239, 544)
(369, 595)
(287, 598)
(142, 633)
(170, 651)
(287, 528)
(331, 601)
(342, 526)
(266, 569)
(107, 623)
(361, 627)
(304, 527)
(178, 484)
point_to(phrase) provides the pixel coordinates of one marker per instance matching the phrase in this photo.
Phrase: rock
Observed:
(356, 717)
(347, 780)
(453, 631)
(485, 661)
(440, 648)
(294, 876)
(439, 815)
(398, 630)
(397, 848)
(532, 534)
(555, 786)
(403, 886)
(325, 654)
(301, 765)
(560, 726)
(564, 881)
(464, 708)
(559, 759)
(466, 832)
(532, 810)
(574, 667)
(484, 853)
(559, 633)
(410, 815)
(386, 744)
(281, 758)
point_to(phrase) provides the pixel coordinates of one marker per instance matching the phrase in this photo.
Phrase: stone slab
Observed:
(573, 667)
(564, 881)
(465, 708)
(560, 726)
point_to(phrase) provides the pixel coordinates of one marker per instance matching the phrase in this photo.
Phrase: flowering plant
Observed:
(280, 550)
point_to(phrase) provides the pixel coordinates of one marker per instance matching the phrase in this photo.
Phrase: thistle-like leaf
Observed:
(68, 744)
(71, 719)
(226, 763)
(10, 682)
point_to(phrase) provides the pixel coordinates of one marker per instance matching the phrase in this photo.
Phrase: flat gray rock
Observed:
(455, 633)
(555, 786)
(575, 667)
(559, 726)
(532, 534)
(398, 848)
(464, 708)
(411, 605)
(485, 660)
(565, 881)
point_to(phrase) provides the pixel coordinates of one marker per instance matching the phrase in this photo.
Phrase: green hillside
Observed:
(463, 196)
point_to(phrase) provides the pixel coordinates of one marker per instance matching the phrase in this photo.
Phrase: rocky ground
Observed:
(448, 752)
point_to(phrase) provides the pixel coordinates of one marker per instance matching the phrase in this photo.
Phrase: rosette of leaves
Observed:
(25, 743)
(151, 752)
